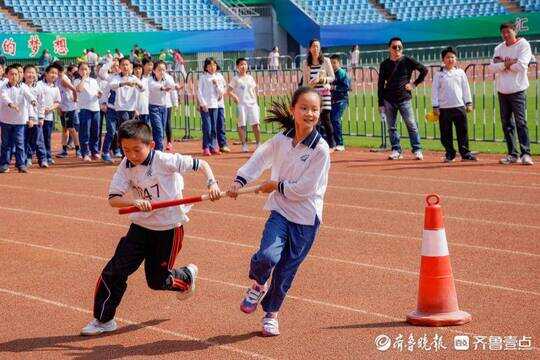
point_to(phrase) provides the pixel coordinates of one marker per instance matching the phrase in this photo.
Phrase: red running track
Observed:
(360, 280)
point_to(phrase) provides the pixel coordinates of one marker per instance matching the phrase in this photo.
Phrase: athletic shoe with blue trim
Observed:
(187, 293)
(253, 297)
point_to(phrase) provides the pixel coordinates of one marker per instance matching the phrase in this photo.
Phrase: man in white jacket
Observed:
(510, 64)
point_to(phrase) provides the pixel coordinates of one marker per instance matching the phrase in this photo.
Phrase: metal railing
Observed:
(362, 117)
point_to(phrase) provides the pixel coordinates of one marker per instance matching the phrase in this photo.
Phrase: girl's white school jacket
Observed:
(301, 172)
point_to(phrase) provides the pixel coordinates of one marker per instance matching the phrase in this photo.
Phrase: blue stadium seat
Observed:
(8, 26)
(412, 10)
(332, 12)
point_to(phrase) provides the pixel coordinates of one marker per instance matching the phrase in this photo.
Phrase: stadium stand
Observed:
(8, 26)
(413, 10)
(80, 15)
(342, 12)
(530, 5)
(182, 15)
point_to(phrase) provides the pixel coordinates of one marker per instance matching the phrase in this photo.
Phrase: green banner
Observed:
(71, 45)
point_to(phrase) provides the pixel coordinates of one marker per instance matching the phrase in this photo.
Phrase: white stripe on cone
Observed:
(434, 243)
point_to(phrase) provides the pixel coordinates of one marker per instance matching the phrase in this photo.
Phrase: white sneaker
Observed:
(270, 326)
(183, 295)
(418, 155)
(395, 155)
(340, 148)
(95, 327)
(509, 159)
(245, 148)
(527, 160)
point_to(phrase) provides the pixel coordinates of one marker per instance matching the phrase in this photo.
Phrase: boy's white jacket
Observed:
(301, 173)
(159, 177)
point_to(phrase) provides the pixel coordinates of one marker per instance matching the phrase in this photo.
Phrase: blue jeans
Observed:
(12, 136)
(145, 118)
(158, 120)
(220, 128)
(407, 113)
(284, 245)
(338, 108)
(48, 127)
(208, 121)
(35, 143)
(112, 130)
(89, 131)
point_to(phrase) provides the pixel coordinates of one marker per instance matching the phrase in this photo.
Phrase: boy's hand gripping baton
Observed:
(186, 200)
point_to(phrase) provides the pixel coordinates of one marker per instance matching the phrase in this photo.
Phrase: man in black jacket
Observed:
(394, 92)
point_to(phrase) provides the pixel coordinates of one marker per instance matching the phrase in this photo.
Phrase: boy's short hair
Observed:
(239, 60)
(507, 25)
(448, 50)
(51, 67)
(122, 60)
(335, 57)
(137, 65)
(10, 67)
(29, 66)
(135, 129)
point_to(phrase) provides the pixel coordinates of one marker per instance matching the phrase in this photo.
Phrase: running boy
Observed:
(154, 236)
(451, 99)
(299, 161)
(242, 90)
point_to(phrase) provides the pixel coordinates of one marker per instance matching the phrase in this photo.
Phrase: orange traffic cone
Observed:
(437, 299)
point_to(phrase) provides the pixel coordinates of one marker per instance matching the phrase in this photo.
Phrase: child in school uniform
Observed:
(89, 93)
(299, 161)
(49, 102)
(220, 121)
(159, 88)
(210, 92)
(141, 111)
(33, 135)
(109, 71)
(68, 109)
(147, 70)
(173, 97)
(154, 237)
(242, 90)
(340, 99)
(15, 99)
(451, 99)
(127, 87)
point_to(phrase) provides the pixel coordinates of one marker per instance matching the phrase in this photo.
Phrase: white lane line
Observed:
(131, 322)
(366, 208)
(347, 188)
(332, 228)
(228, 284)
(371, 266)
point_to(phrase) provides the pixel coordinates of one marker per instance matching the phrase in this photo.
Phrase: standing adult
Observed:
(395, 94)
(510, 64)
(317, 73)
(273, 59)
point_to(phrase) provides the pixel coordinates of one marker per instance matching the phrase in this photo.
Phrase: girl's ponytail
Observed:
(280, 111)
